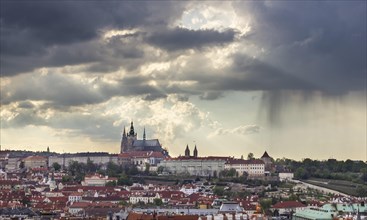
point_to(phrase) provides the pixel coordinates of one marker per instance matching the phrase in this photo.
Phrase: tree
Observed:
(111, 183)
(232, 172)
(21, 165)
(301, 173)
(364, 174)
(160, 169)
(56, 166)
(157, 202)
(147, 167)
(250, 156)
(90, 166)
(218, 190)
(113, 169)
(265, 204)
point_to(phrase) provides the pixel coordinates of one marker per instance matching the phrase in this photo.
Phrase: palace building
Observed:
(130, 142)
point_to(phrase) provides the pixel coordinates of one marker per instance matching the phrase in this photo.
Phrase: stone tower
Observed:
(195, 152)
(123, 142)
(131, 136)
(187, 151)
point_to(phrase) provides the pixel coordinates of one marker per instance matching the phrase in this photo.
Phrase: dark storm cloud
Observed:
(327, 50)
(182, 38)
(53, 88)
(30, 29)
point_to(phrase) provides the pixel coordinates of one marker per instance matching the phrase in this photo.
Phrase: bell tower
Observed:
(187, 151)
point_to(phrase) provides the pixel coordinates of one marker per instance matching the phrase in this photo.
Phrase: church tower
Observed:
(195, 152)
(123, 142)
(187, 151)
(131, 136)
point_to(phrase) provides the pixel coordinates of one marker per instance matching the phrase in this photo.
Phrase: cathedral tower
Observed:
(195, 152)
(187, 151)
(123, 142)
(131, 136)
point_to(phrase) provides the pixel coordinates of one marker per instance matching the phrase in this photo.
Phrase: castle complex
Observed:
(130, 142)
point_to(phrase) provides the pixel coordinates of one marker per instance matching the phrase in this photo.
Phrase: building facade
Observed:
(194, 165)
(130, 142)
(97, 157)
(253, 168)
(35, 162)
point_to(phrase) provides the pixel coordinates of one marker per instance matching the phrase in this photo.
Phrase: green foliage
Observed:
(147, 168)
(56, 166)
(90, 166)
(265, 204)
(362, 191)
(77, 170)
(328, 169)
(157, 202)
(124, 180)
(250, 156)
(228, 173)
(111, 183)
(21, 165)
(66, 179)
(364, 174)
(218, 190)
(301, 173)
(160, 169)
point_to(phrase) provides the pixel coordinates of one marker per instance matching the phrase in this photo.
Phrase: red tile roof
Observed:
(288, 204)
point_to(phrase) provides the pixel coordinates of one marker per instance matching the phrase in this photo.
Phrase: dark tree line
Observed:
(77, 171)
(328, 169)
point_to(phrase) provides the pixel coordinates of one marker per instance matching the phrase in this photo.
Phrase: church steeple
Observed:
(187, 151)
(195, 152)
(144, 134)
(132, 132)
(124, 133)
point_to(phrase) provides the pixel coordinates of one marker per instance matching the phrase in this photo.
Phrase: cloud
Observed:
(240, 130)
(30, 30)
(166, 118)
(182, 38)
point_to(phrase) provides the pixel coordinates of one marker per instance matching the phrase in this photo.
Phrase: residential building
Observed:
(253, 168)
(141, 158)
(288, 207)
(35, 162)
(97, 180)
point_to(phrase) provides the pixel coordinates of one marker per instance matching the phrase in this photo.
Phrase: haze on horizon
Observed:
(231, 77)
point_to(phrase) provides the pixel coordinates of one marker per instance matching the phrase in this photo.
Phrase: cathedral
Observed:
(130, 142)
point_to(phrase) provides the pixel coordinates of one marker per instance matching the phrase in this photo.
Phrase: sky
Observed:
(232, 77)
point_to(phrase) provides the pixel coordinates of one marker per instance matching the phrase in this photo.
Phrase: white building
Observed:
(189, 189)
(254, 168)
(35, 161)
(97, 180)
(75, 197)
(143, 197)
(286, 176)
(199, 166)
(98, 158)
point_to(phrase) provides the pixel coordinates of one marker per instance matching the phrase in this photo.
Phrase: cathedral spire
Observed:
(132, 132)
(187, 151)
(124, 133)
(144, 134)
(195, 152)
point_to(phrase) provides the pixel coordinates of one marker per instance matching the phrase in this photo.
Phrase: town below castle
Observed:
(144, 182)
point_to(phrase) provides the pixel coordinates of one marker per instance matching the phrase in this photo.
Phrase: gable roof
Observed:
(146, 143)
(265, 155)
(288, 204)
